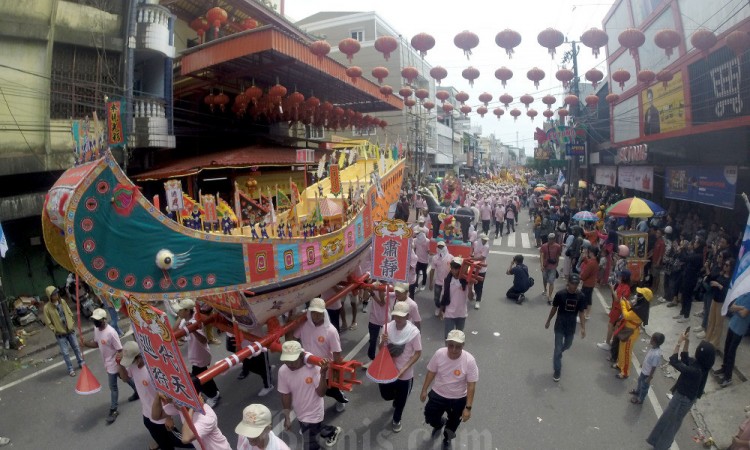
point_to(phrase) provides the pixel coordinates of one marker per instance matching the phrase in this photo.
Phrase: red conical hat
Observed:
(87, 383)
(382, 369)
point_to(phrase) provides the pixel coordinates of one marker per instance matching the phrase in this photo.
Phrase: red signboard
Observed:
(333, 170)
(115, 136)
(390, 250)
(161, 354)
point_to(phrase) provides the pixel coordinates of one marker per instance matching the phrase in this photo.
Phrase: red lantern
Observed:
(249, 23)
(646, 76)
(562, 113)
(485, 97)
(592, 100)
(498, 112)
(465, 109)
(667, 39)
(515, 113)
(295, 98)
(380, 73)
(503, 74)
(216, 17)
(471, 74)
(564, 75)
(526, 99)
(462, 97)
(254, 93)
(386, 45)
(466, 40)
(410, 102)
(506, 99)
(320, 49)
(422, 42)
(536, 75)
(594, 39)
(704, 40)
(383, 124)
(447, 107)
(438, 73)
(209, 100)
(612, 98)
(548, 113)
(386, 90)
(621, 76)
(349, 47)
(665, 77)
(594, 76)
(508, 39)
(354, 72)
(200, 25)
(482, 110)
(571, 100)
(550, 39)
(222, 99)
(632, 38)
(410, 73)
(442, 96)
(312, 102)
(428, 105)
(277, 91)
(405, 92)
(549, 100)
(532, 113)
(738, 42)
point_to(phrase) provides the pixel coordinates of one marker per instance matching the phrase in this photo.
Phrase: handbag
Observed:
(625, 333)
(395, 349)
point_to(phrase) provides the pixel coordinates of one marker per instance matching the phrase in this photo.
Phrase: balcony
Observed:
(153, 31)
(150, 124)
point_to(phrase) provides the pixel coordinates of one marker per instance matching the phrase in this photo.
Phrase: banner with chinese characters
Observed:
(161, 354)
(115, 132)
(173, 189)
(209, 205)
(390, 250)
(710, 185)
(333, 171)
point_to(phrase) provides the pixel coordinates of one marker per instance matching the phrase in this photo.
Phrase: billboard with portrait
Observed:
(663, 108)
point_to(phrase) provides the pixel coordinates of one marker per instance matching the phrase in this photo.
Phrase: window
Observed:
(312, 132)
(362, 131)
(358, 35)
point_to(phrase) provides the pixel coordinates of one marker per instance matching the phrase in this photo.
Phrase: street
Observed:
(517, 404)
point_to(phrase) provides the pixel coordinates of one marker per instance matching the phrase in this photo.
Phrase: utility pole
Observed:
(572, 56)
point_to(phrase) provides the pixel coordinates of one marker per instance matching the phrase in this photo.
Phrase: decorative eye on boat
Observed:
(165, 259)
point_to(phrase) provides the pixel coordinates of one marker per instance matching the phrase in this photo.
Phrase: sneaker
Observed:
(72, 373)
(437, 312)
(698, 314)
(112, 416)
(725, 383)
(4, 441)
(364, 306)
(718, 372)
(340, 407)
(134, 397)
(437, 430)
(701, 335)
(396, 426)
(366, 366)
(556, 377)
(578, 319)
(521, 299)
(661, 299)
(698, 329)
(476, 305)
(332, 439)
(683, 320)
(678, 316)
(422, 288)
(672, 304)
(242, 375)
(213, 401)
(604, 346)
(265, 391)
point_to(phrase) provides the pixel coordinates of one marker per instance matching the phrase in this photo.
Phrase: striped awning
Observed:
(330, 208)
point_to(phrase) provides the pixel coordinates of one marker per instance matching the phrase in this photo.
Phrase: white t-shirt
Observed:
(109, 345)
(652, 359)
(301, 383)
(274, 443)
(147, 392)
(452, 375)
(321, 341)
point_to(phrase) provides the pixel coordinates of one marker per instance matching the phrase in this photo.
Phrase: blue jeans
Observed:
(563, 342)
(643, 387)
(454, 323)
(114, 392)
(69, 340)
(438, 290)
(113, 318)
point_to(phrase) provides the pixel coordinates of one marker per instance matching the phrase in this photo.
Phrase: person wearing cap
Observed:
(485, 213)
(302, 387)
(549, 257)
(401, 294)
(420, 226)
(634, 314)
(199, 353)
(254, 430)
(567, 304)
(422, 250)
(133, 368)
(59, 319)
(320, 338)
(456, 296)
(411, 273)
(376, 320)
(499, 219)
(404, 342)
(441, 266)
(480, 252)
(108, 342)
(449, 386)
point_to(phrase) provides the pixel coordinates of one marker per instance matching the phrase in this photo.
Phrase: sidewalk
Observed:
(720, 411)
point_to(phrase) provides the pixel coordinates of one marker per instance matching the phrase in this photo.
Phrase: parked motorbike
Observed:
(26, 311)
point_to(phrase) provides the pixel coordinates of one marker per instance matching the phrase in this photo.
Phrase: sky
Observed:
(486, 18)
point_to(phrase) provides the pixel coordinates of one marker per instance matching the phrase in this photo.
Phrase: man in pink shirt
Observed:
(377, 318)
(199, 354)
(456, 295)
(302, 387)
(480, 252)
(401, 294)
(499, 220)
(441, 266)
(254, 431)
(485, 213)
(455, 375)
(422, 249)
(320, 338)
(108, 342)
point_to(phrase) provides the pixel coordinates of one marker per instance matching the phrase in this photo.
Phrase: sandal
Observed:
(353, 326)
(614, 366)
(620, 376)
(633, 392)
(635, 401)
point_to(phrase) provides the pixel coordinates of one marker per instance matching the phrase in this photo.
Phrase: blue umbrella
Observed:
(585, 216)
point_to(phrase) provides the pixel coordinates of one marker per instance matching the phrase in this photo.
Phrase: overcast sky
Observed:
(486, 18)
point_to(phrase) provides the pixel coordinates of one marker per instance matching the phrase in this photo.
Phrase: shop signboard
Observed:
(572, 149)
(710, 185)
(719, 86)
(606, 175)
(663, 107)
(639, 178)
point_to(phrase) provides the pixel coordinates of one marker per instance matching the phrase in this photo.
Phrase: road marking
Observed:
(525, 240)
(525, 255)
(512, 239)
(39, 372)
(634, 360)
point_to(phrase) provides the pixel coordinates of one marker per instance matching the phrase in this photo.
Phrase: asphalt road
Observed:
(517, 405)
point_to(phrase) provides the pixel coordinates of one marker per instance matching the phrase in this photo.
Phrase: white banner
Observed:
(606, 175)
(640, 178)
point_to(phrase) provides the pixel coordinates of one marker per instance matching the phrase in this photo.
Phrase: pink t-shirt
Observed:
(414, 315)
(441, 266)
(207, 427)
(321, 341)
(109, 345)
(274, 443)
(500, 214)
(199, 355)
(459, 300)
(482, 250)
(411, 347)
(423, 249)
(147, 392)
(452, 375)
(301, 383)
(485, 211)
(378, 311)
(328, 294)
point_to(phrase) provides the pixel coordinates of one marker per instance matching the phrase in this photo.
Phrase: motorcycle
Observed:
(26, 311)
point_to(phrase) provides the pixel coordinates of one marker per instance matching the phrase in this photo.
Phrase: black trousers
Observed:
(397, 391)
(511, 225)
(422, 268)
(165, 439)
(485, 226)
(479, 288)
(731, 344)
(258, 365)
(209, 387)
(514, 294)
(437, 406)
(311, 431)
(334, 315)
(499, 227)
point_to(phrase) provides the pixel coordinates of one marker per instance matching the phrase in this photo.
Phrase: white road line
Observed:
(525, 240)
(41, 371)
(512, 239)
(525, 255)
(651, 395)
